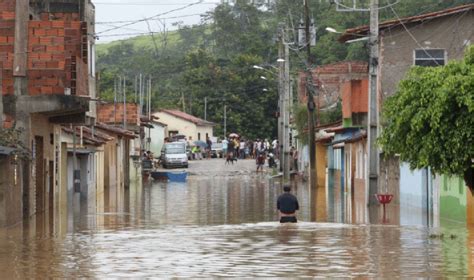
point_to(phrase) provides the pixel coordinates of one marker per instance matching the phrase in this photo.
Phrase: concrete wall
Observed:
(453, 199)
(321, 163)
(397, 56)
(10, 192)
(157, 139)
(184, 127)
(177, 124)
(397, 46)
(411, 189)
(41, 127)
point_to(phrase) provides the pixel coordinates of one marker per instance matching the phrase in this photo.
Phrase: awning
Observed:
(80, 151)
(6, 150)
(338, 146)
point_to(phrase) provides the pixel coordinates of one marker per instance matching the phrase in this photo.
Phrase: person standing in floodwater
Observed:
(287, 205)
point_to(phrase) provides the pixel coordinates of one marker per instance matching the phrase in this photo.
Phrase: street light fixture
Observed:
(264, 89)
(263, 78)
(280, 60)
(332, 30)
(258, 67)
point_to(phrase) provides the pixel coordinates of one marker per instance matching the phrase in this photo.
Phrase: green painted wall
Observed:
(347, 122)
(453, 199)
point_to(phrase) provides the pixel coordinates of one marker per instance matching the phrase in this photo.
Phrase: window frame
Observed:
(415, 59)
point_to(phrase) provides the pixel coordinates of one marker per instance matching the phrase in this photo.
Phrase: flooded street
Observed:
(222, 223)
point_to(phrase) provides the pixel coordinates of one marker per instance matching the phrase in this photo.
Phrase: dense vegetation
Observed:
(435, 104)
(214, 60)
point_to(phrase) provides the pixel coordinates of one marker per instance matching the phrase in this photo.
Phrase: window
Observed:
(199, 135)
(430, 57)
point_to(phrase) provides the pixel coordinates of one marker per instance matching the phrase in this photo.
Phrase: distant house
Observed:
(179, 122)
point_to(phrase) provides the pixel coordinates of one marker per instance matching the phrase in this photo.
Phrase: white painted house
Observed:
(157, 135)
(179, 122)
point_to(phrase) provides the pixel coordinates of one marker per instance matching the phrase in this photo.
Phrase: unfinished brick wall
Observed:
(54, 48)
(329, 78)
(110, 114)
(354, 97)
(7, 38)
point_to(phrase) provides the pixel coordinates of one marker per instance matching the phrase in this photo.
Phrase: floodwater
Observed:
(223, 224)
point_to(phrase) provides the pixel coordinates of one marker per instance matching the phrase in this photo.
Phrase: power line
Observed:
(150, 4)
(412, 36)
(128, 21)
(150, 18)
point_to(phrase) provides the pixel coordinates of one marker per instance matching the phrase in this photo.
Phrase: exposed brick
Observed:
(37, 48)
(34, 41)
(52, 64)
(45, 24)
(57, 24)
(46, 90)
(72, 32)
(45, 40)
(6, 15)
(7, 32)
(75, 24)
(39, 32)
(44, 16)
(52, 32)
(34, 23)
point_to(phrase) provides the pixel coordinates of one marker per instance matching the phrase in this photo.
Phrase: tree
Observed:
(429, 122)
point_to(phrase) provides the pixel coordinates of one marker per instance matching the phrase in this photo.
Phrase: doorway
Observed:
(39, 176)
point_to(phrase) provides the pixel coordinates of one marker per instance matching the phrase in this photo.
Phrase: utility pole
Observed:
(115, 100)
(373, 157)
(225, 121)
(280, 101)
(135, 86)
(286, 114)
(313, 176)
(124, 103)
(205, 108)
(182, 102)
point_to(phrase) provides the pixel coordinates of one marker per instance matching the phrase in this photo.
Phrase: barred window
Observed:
(430, 57)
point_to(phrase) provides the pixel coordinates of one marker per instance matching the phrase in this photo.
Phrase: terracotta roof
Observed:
(159, 123)
(187, 117)
(116, 130)
(85, 137)
(356, 32)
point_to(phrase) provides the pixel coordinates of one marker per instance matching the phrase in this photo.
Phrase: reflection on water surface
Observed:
(225, 226)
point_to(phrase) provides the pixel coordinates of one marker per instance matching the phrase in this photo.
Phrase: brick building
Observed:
(328, 79)
(47, 80)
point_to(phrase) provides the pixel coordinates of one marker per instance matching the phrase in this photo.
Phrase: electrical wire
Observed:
(150, 18)
(128, 21)
(149, 4)
(352, 9)
(413, 37)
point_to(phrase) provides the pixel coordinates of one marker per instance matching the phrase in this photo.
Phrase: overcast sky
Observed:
(111, 14)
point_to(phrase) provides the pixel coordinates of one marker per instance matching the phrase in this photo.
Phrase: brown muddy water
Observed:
(225, 226)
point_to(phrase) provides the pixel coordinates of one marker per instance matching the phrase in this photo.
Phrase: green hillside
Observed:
(214, 61)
